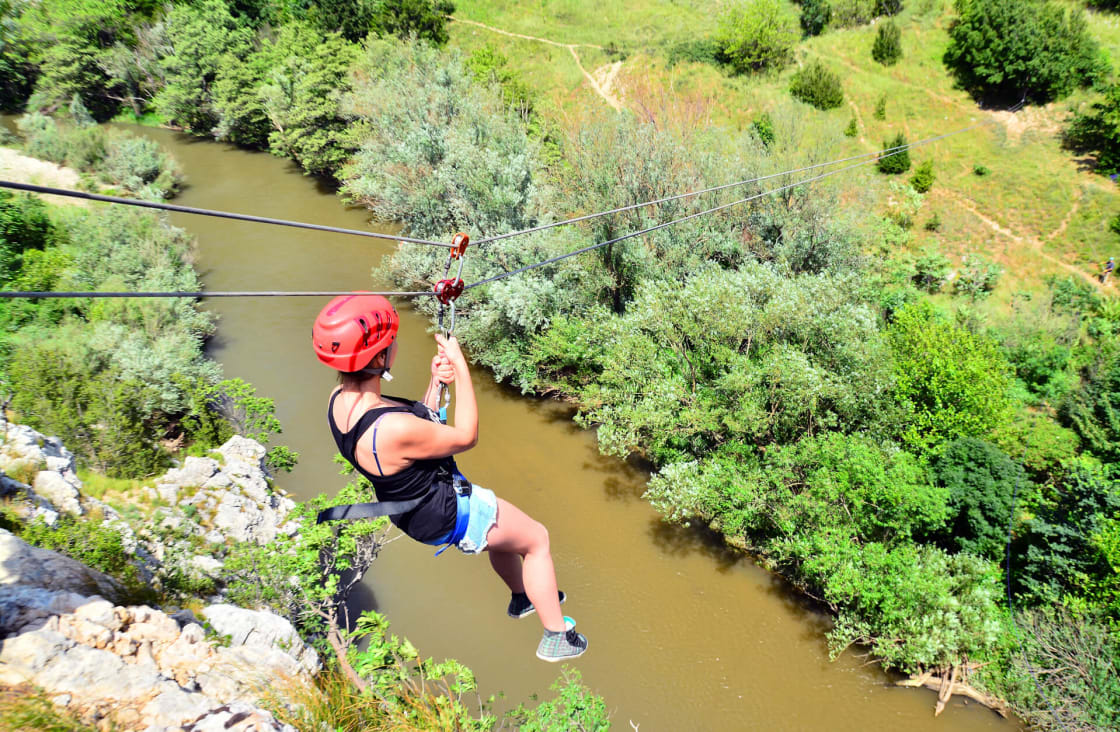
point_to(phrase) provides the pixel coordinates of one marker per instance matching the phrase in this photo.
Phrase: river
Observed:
(684, 634)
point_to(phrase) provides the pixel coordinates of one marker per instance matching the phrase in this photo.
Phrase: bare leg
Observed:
(508, 567)
(516, 533)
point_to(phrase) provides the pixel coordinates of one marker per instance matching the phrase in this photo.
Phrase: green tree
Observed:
(758, 34)
(815, 15)
(1011, 50)
(1068, 550)
(887, 48)
(923, 177)
(423, 19)
(1093, 408)
(1097, 130)
(24, 225)
(816, 85)
(17, 73)
(198, 35)
(898, 159)
(951, 382)
(981, 480)
(888, 7)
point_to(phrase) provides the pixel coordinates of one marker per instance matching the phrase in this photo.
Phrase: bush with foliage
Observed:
(978, 277)
(758, 34)
(1011, 50)
(888, 7)
(852, 129)
(923, 177)
(438, 151)
(815, 15)
(763, 128)
(118, 158)
(951, 382)
(849, 13)
(931, 270)
(895, 158)
(816, 85)
(982, 482)
(1068, 553)
(1093, 408)
(887, 48)
(1096, 130)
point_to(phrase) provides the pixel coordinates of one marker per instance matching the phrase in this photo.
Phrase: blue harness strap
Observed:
(462, 515)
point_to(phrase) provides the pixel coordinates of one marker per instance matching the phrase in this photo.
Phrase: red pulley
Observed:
(448, 291)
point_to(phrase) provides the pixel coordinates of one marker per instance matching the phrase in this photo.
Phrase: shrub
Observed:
(1097, 131)
(978, 277)
(852, 129)
(818, 86)
(422, 19)
(981, 480)
(981, 170)
(887, 48)
(815, 15)
(699, 51)
(763, 129)
(1009, 50)
(94, 544)
(848, 13)
(951, 382)
(922, 180)
(931, 270)
(898, 160)
(880, 112)
(934, 223)
(758, 34)
(888, 7)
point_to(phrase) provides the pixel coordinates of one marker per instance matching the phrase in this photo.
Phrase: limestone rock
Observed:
(263, 630)
(56, 489)
(23, 564)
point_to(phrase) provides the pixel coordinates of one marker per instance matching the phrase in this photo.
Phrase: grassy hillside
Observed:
(1039, 211)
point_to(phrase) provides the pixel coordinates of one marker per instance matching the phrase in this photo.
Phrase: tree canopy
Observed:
(1012, 50)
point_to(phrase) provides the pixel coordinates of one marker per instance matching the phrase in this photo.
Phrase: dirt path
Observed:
(1034, 243)
(602, 80)
(19, 168)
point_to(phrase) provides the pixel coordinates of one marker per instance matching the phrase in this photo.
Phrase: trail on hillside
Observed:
(1034, 243)
(20, 168)
(602, 81)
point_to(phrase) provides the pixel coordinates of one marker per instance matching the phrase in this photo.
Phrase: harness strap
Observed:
(354, 511)
(462, 518)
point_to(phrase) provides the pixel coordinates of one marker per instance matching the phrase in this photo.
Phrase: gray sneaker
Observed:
(561, 645)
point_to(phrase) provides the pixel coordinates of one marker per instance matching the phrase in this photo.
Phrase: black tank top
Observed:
(434, 517)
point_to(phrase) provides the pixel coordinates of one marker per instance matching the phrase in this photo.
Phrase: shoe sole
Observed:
(532, 610)
(555, 659)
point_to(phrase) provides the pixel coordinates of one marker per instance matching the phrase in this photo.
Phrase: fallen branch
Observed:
(945, 683)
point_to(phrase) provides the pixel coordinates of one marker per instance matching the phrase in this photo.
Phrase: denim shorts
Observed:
(483, 517)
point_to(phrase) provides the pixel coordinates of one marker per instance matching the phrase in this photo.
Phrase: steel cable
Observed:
(210, 212)
(725, 186)
(658, 227)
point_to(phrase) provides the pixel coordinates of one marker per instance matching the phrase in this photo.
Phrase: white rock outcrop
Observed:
(137, 667)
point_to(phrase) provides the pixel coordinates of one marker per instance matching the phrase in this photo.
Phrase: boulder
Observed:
(59, 491)
(23, 564)
(261, 629)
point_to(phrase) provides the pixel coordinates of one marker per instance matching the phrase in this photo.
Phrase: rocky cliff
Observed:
(138, 667)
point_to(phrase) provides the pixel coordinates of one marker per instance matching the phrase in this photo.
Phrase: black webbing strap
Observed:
(354, 511)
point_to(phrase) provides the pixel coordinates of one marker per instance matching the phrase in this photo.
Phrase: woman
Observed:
(403, 449)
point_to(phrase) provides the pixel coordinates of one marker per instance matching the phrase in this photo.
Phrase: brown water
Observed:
(684, 635)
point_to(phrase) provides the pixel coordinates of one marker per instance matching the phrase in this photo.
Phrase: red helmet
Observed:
(352, 329)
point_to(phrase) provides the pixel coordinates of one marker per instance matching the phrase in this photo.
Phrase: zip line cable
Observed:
(889, 152)
(247, 293)
(631, 207)
(209, 212)
(658, 227)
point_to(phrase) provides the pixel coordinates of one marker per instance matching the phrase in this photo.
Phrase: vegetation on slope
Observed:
(800, 371)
